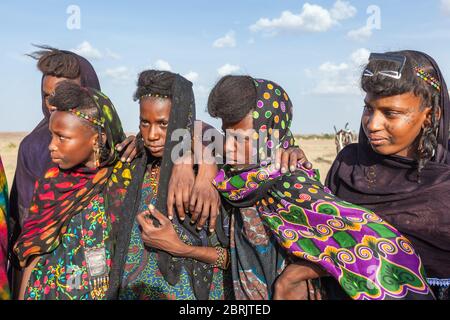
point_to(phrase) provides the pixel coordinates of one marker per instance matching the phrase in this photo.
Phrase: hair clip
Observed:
(155, 95)
(428, 78)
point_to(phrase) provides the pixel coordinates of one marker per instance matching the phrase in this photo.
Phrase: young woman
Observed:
(68, 238)
(4, 287)
(400, 166)
(369, 258)
(161, 258)
(256, 259)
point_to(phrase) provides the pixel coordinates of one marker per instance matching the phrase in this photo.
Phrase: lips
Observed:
(156, 148)
(377, 140)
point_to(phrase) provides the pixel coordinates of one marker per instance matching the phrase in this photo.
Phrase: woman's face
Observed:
(72, 141)
(154, 119)
(393, 124)
(49, 84)
(238, 141)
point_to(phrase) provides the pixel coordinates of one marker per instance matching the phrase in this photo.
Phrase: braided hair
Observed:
(232, 98)
(154, 83)
(409, 82)
(57, 63)
(70, 96)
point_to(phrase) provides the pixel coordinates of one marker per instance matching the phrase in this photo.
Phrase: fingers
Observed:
(204, 216)
(213, 216)
(193, 201)
(142, 220)
(179, 204)
(170, 199)
(197, 210)
(278, 159)
(285, 161)
(293, 159)
(185, 197)
(162, 219)
(124, 144)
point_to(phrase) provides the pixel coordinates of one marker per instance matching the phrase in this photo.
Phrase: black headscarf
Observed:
(182, 115)
(389, 186)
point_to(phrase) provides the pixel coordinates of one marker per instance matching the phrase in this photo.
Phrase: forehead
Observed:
(66, 121)
(245, 124)
(155, 108)
(405, 100)
(49, 83)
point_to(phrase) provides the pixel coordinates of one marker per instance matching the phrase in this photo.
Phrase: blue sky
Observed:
(313, 48)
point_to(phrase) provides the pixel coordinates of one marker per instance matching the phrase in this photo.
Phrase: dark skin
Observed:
(49, 84)
(73, 141)
(393, 124)
(204, 203)
(154, 119)
(287, 286)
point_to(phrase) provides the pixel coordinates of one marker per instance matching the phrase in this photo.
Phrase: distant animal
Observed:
(343, 137)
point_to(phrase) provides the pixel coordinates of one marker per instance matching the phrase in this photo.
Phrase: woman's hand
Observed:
(180, 188)
(288, 158)
(163, 237)
(205, 200)
(129, 149)
(292, 283)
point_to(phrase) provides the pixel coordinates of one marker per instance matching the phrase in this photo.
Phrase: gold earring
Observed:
(96, 156)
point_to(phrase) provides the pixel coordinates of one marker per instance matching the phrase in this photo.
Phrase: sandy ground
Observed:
(321, 152)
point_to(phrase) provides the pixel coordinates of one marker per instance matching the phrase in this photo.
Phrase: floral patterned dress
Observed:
(63, 273)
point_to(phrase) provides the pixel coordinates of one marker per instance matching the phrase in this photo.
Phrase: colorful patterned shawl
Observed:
(369, 257)
(4, 288)
(61, 194)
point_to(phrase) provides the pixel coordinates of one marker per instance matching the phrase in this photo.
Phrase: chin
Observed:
(383, 150)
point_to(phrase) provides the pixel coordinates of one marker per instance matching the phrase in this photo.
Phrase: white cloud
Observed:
(229, 40)
(445, 5)
(342, 10)
(192, 76)
(120, 74)
(339, 78)
(360, 57)
(112, 55)
(312, 18)
(162, 65)
(85, 49)
(361, 34)
(228, 69)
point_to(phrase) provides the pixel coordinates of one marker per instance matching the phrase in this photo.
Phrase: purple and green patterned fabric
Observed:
(369, 258)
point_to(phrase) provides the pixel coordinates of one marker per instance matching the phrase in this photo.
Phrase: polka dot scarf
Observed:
(271, 119)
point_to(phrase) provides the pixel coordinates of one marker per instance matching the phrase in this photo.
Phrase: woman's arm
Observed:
(164, 237)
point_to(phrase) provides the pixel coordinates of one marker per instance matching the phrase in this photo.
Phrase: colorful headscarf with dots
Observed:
(369, 258)
(4, 288)
(61, 194)
(272, 118)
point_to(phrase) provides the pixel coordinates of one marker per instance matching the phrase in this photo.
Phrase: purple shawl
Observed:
(388, 185)
(34, 158)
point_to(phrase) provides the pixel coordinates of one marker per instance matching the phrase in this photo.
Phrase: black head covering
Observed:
(389, 186)
(182, 115)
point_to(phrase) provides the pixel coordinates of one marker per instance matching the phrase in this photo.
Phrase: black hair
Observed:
(232, 98)
(57, 63)
(154, 82)
(409, 82)
(71, 96)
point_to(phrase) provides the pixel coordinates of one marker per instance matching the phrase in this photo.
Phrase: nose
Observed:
(230, 144)
(52, 146)
(374, 121)
(153, 133)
